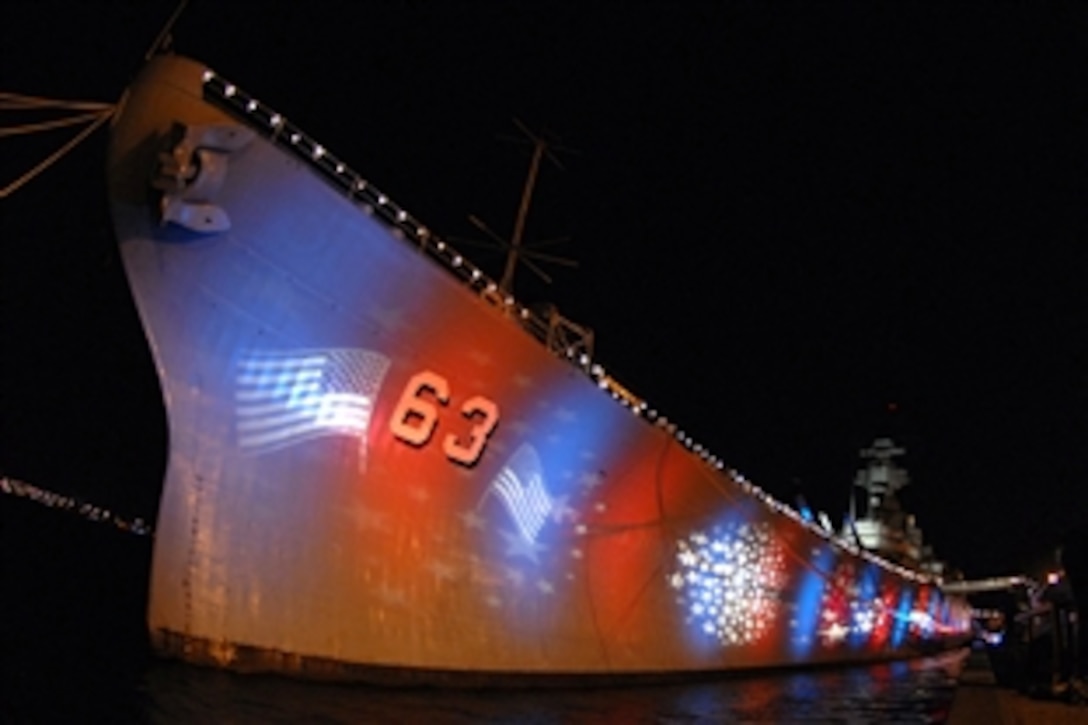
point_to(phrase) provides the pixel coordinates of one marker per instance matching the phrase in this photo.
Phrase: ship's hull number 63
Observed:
(415, 418)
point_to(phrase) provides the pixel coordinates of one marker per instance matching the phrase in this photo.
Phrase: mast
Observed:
(539, 147)
(517, 251)
(163, 41)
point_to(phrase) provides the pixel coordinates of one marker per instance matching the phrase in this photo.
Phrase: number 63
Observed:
(414, 419)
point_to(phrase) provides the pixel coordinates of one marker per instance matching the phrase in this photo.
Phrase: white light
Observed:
(440, 246)
(230, 90)
(319, 151)
(208, 75)
(475, 275)
(457, 260)
(340, 168)
(509, 300)
(422, 232)
(295, 137)
(584, 360)
(276, 120)
(382, 199)
(402, 215)
(491, 287)
(251, 106)
(360, 185)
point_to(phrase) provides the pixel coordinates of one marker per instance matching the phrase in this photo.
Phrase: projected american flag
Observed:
(520, 487)
(285, 398)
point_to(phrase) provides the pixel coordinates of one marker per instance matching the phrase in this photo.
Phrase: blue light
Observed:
(902, 617)
(810, 595)
(866, 606)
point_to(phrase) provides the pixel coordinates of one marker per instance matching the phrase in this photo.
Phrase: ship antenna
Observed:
(162, 42)
(516, 249)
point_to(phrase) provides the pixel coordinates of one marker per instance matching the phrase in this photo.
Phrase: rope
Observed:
(14, 186)
(47, 125)
(20, 102)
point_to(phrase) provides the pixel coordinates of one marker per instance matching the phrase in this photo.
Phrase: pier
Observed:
(1028, 661)
(980, 698)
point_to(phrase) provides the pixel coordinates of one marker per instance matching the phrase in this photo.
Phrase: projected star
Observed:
(591, 479)
(838, 604)
(473, 520)
(441, 571)
(480, 357)
(729, 581)
(566, 415)
(516, 577)
(391, 595)
(562, 510)
(369, 519)
(519, 546)
(519, 428)
(390, 318)
(884, 609)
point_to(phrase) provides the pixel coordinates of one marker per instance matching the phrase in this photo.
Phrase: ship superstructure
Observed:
(884, 527)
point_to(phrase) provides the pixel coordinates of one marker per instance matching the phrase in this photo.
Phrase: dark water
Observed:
(165, 692)
(918, 691)
(73, 649)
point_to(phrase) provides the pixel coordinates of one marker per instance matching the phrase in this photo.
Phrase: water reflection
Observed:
(910, 691)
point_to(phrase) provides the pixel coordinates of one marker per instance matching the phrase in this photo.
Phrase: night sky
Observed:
(798, 226)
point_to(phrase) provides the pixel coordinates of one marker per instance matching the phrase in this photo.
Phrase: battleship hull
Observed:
(379, 466)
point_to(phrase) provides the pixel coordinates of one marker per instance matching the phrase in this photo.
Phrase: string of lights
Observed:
(62, 502)
(281, 131)
(406, 227)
